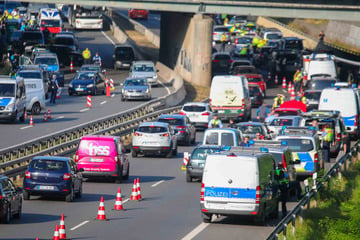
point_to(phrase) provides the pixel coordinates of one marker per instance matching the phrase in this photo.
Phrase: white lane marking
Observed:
(26, 127)
(157, 183)
(108, 38)
(60, 117)
(103, 102)
(196, 231)
(113, 95)
(79, 225)
(126, 200)
(84, 110)
(167, 89)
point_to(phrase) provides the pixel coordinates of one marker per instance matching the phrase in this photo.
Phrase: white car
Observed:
(154, 137)
(199, 113)
(144, 69)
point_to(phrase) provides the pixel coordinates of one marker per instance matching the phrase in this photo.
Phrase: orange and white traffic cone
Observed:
(88, 101)
(289, 87)
(56, 233)
(276, 79)
(118, 201)
(269, 76)
(31, 121)
(185, 161)
(293, 92)
(101, 211)
(108, 92)
(138, 189)
(134, 195)
(25, 116)
(284, 83)
(58, 93)
(62, 232)
(45, 117)
(71, 66)
(112, 87)
(49, 114)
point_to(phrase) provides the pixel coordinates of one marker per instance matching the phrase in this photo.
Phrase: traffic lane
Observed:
(71, 111)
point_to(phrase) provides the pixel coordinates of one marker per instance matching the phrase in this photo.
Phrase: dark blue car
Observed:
(89, 82)
(53, 175)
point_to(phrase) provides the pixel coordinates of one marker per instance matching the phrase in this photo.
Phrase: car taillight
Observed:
(338, 137)
(202, 193)
(181, 129)
(243, 103)
(137, 134)
(305, 77)
(231, 61)
(182, 113)
(76, 156)
(0, 197)
(356, 120)
(261, 55)
(257, 200)
(100, 21)
(205, 114)
(214, 33)
(316, 157)
(284, 161)
(215, 60)
(27, 174)
(66, 176)
(164, 135)
(116, 159)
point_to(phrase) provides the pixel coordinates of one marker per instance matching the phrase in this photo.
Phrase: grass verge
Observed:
(196, 93)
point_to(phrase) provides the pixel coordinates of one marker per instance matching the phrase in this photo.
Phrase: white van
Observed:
(35, 95)
(230, 98)
(239, 184)
(346, 101)
(321, 65)
(12, 98)
(222, 136)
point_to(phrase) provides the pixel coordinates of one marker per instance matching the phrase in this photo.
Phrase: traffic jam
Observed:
(250, 150)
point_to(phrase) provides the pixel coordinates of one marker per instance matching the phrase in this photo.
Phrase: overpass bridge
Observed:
(186, 28)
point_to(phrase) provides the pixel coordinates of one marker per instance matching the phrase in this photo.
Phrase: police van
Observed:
(305, 146)
(12, 98)
(236, 183)
(222, 136)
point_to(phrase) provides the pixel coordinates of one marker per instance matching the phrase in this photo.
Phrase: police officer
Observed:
(223, 42)
(278, 100)
(97, 59)
(300, 97)
(297, 80)
(86, 55)
(327, 138)
(282, 177)
(215, 122)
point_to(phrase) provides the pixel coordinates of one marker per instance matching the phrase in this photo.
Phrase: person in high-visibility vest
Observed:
(278, 100)
(223, 40)
(243, 51)
(255, 42)
(86, 55)
(327, 138)
(215, 122)
(297, 80)
(301, 97)
(283, 180)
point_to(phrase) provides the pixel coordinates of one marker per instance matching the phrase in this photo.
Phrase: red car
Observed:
(138, 13)
(283, 110)
(257, 79)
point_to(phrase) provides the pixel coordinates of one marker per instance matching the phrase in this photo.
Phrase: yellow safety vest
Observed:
(278, 101)
(86, 54)
(329, 135)
(297, 77)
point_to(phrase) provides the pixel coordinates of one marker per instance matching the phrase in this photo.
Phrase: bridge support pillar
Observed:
(185, 46)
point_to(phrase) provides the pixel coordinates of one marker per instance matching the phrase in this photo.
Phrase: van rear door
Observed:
(230, 182)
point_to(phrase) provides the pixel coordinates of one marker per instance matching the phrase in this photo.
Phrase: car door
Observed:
(75, 175)
(122, 156)
(9, 191)
(191, 127)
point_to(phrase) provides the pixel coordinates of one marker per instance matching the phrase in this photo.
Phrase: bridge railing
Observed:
(336, 170)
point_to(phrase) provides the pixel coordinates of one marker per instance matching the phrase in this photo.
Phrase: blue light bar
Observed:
(283, 143)
(265, 150)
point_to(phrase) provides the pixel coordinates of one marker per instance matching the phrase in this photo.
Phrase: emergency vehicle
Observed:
(50, 18)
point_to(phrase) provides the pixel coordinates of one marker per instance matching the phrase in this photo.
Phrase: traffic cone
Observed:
(293, 92)
(138, 189)
(88, 101)
(276, 79)
(71, 66)
(25, 116)
(31, 121)
(108, 92)
(101, 211)
(49, 114)
(284, 83)
(289, 87)
(185, 161)
(62, 232)
(56, 233)
(45, 116)
(134, 195)
(269, 76)
(118, 201)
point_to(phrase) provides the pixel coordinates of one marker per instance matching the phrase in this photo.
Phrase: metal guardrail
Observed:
(340, 166)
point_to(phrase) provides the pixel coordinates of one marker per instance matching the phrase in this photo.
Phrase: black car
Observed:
(320, 83)
(10, 200)
(53, 175)
(123, 56)
(256, 95)
(221, 62)
(89, 82)
(244, 70)
(66, 47)
(184, 130)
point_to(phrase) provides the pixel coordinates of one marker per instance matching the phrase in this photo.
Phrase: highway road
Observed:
(71, 110)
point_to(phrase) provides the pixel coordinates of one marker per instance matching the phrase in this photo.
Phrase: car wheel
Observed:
(22, 118)
(18, 214)
(275, 213)
(169, 154)
(126, 177)
(70, 196)
(188, 177)
(79, 193)
(26, 195)
(174, 152)
(134, 153)
(206, 217)
(260, 220)
(119, 178)
(36, 109)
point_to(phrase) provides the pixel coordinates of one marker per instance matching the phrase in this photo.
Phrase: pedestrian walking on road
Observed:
(282, 177)
(53, 86)
(215, 122)
(86, 55)
(223, 42)
(262, 112)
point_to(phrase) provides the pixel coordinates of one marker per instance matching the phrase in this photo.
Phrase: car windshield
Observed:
(124, 53)
(172, 121)
(273, 36)
(46, 60)
(201, 153)
(244, 40)
(194, 108)
(48, 165)
(50, 23)
(221, 29)
(254, 79)
(222, 57)
(85, 76)
(143, 68)
(36, 75)
(7, 90)
(90, 68)
(250, 129)
(32, 36)
(152, 129)
(320, 84)
(254, 91)
(313, 95)
(281, 122)
(135, 82)
(299, 145)
(64, 41)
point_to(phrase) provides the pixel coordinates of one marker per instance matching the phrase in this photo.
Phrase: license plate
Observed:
(126, 65)
(217, 205)
(46, 187)
(96, 160)
(221, 111)
(149, 142)
(80, 89)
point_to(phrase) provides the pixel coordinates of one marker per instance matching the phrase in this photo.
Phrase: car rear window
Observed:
(320, 84)
(152, 129)
(97, 147)
(64, 41)
(250, 129)
(48, 165)
(313, 95)
(124, 51)
(201, 153)
(299, 145)
(194, 108)
(32, 36)
(255, 79)
(281, 122)
(222, 57)
(172, 121)
(221, 29)
(254, 90)
(287, 113)
(227, 139)
(36, 75)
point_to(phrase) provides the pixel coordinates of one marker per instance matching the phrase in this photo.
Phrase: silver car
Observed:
(144, 69)
(218, 31)
(135, 88)
(154, 137)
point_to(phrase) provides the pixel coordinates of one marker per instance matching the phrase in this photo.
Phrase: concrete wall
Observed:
(343, 32)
